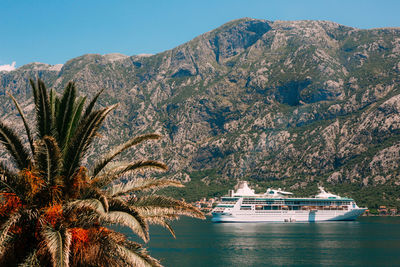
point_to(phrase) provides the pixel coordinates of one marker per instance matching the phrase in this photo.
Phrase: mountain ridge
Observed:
(227, 24)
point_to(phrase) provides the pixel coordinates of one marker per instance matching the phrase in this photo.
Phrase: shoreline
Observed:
(377, 215)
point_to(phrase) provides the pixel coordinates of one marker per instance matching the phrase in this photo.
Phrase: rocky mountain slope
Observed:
(285, 103)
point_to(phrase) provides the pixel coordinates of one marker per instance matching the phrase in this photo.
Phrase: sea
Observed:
(368, 241)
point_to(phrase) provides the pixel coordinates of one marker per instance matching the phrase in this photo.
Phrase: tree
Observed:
(56, 212)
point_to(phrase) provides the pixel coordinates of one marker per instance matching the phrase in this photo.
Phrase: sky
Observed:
(54, 31)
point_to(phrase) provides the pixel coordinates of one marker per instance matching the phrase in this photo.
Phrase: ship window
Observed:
(245, 208)
(267, 208)
(224, 206)
(229, 200)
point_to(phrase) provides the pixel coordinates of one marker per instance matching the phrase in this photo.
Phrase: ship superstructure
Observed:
(279, 206)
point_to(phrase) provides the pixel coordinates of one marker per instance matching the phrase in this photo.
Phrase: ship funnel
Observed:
(230, 193)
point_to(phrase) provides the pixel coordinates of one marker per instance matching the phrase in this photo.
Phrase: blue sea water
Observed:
(369, 241)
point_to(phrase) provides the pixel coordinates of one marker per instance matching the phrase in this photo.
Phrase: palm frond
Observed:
(8, 178)
(86, 218)
(83, 137)
(15, 147)
(58, 244)
(5, 231)
(44, 119)
(116, 172)
(103, 199)
(121, 148)
(167, 213)
(159, 220)
(121, 213)
(142, 185)
(27, 129)
(67, 238)
(5, 187)
(113, 249)
(76, 116)
(92, 203)
(28, 215)
(159, 205)
(35, 91)
(31, 260)
(126, 219)
(140, 165)
(65, 112)
(90, 107)
(135, 255)
(53, 103)
(48, 159)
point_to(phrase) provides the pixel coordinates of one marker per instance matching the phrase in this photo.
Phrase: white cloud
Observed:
(8, 67)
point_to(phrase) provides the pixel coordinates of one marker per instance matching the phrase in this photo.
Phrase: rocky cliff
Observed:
(285, 103)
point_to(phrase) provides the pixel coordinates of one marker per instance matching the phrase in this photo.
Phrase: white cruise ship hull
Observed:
(288, 216)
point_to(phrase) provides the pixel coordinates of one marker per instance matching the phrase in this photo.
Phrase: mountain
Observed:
(290, 104)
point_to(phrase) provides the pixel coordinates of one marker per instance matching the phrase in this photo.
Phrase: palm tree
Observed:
(56, 212)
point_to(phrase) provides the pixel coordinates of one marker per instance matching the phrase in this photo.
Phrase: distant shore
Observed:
(379, 215)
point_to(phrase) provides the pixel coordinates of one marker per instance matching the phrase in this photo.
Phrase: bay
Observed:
(369, 241)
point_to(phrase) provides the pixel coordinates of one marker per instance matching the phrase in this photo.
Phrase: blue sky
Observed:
(54, 31)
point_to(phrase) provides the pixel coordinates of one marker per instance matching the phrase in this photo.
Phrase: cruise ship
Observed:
(279, 206)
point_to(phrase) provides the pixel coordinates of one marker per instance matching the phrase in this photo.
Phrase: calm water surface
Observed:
(369, 241)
